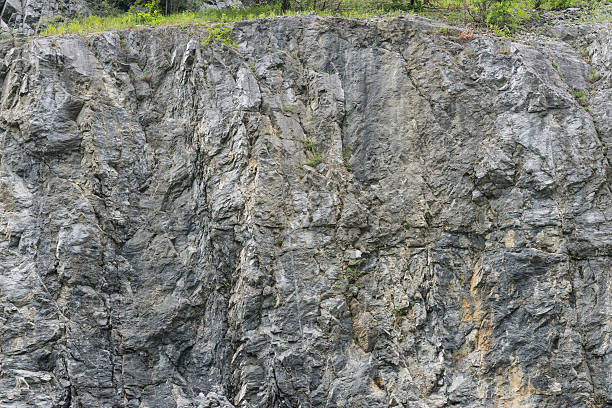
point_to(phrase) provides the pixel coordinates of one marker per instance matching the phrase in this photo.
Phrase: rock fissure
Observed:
(450, 246)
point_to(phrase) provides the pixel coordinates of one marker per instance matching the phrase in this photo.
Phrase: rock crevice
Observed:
(337, 212)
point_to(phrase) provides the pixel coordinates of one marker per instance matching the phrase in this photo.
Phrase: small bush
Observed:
(346, 157)
(222, 35)
(309, 146)
(580, 97)
(594, 76)
(503, 16)
(314, 158)
(561, 4)
(147, 14)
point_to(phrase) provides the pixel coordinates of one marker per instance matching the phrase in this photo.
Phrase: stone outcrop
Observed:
(335, 213)
(26, 16)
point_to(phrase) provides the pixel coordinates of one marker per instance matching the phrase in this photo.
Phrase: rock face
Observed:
(27, 16)
(336, 213)
(24, 16)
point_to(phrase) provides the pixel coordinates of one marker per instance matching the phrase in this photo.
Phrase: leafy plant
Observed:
(580, 96)
(313, 161)
(584, 53)
(309, 146)
(443, 30)
(354, 270)
(593, 76)
(560, 4)
(148, 14)
(222, 35)
(314, 158)
(502, 16)
(353, 275)
(346, 157)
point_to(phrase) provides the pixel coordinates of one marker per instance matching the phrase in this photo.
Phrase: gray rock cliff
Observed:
(336, 213)
(26, 16)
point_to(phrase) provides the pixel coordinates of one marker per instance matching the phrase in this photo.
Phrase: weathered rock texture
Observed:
(25, 16)
(29, 17)
(167, 237)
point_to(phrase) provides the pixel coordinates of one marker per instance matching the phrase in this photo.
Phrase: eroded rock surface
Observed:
(337, 213)
(26, 16)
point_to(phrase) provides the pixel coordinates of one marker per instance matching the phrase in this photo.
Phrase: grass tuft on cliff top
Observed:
(94, 23)
(500, 16)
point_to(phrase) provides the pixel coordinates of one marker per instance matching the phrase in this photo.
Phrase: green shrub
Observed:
(594, 76)
(580, 97)
(309, 146)
(222, 35)
(147, 14)
(503, 16)
(561, 4)
(314, 158)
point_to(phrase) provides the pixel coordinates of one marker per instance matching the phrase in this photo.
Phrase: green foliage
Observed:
(502, 17)
(359, 6)
(593, 76)
(561, 4)
(314, 158)
(580, 96)
(147, 14)
(443, 30)
(221, 35)
(353, 275)
(142, 15)
(354, 270)
(584, 53)
(165, 6)
(346, 157)
(309, 146)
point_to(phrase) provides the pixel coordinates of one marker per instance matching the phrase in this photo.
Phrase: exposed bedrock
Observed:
(337, 213)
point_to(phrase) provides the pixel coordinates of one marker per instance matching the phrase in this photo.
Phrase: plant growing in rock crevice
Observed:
(346, 157)
(354, 271)
(221, 35)
(313, 157)
(580, 97)
(593, 76)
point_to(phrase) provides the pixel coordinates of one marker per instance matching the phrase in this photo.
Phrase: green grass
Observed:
(580, 97)
(593, 76)
(314, 160)
(95, 24)
(503, 17)
(222, 35)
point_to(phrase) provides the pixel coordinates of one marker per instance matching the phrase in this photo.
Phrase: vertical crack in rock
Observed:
(336, 213)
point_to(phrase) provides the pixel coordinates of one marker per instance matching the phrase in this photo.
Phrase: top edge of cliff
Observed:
(75, 17)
